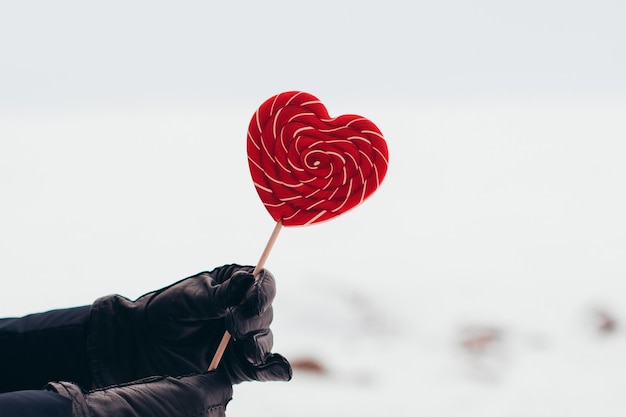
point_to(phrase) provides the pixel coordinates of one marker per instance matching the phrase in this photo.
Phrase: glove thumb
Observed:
(275, 368)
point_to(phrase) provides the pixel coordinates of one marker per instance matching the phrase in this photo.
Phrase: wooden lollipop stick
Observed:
(268, 248)
(266, 252)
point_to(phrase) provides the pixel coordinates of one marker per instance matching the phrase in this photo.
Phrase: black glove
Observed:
(195, 395)
(175, 331)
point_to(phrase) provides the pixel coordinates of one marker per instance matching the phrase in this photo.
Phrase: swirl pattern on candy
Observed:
(308, 167)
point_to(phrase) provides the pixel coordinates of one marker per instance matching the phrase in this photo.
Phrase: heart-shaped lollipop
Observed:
(308, 167)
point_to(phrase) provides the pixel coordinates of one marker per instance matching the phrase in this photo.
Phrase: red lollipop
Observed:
(308, 167)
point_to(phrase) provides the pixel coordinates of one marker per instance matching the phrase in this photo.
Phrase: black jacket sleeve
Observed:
(44, 347)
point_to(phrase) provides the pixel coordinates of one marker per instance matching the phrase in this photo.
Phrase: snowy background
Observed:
(486, 277)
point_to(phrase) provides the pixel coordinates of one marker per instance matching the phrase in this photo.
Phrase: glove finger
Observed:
(250, 359)
(261, 294)
(275, 368)
(211, 300)
(240, 323)
(256, 347)
(225, 272)
(197, 298)
(232, 291)
(221, 288)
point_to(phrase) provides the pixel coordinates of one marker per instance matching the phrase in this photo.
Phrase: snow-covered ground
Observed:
(470, 283)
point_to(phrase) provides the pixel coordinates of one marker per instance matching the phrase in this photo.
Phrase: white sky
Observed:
(156, 51)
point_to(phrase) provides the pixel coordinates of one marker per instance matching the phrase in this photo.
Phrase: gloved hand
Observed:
(175, 330)
(205, 394)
